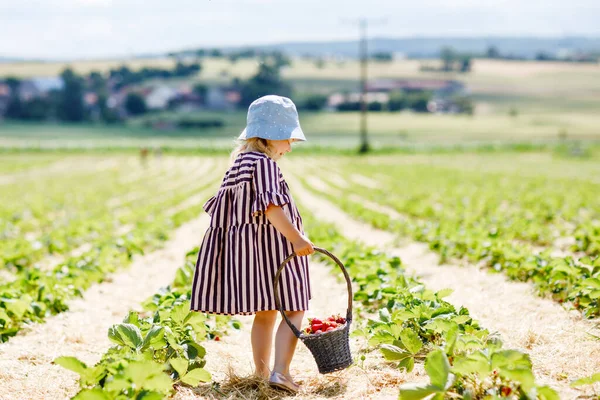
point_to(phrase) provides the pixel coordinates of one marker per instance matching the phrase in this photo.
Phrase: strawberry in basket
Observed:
(324, 325)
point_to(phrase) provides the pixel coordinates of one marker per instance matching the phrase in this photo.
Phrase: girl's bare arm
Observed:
(276, 215)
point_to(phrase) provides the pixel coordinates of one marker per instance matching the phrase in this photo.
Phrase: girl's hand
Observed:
(303, 246)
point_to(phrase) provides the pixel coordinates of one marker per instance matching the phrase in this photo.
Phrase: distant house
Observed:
(159, 97)
(337, 99)
(222, 98)
(439, 87)
(4, 97)
(39, 87)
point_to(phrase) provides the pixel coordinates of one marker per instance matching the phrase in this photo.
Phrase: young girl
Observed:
(254, 226)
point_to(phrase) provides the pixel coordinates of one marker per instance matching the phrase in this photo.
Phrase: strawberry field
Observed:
(71, 223)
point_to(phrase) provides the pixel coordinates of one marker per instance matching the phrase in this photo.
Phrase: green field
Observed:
(335, 130)
(549, 102)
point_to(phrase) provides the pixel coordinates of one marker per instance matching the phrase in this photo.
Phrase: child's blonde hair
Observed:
(252, 144)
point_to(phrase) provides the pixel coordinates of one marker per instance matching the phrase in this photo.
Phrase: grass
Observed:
(339, 130)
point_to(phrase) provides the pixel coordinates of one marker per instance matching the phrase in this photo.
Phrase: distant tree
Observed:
(96, 82)
(383, 56)
(465, 63)
(492, 52)
(216, 53)
(70, 106)
(14, 108)
(135, 104)
(200, 53)
(280, 59)
(418, 101)
(314, 102)
(107, 114)
(448, 56)
(397, 101)
(36, 109)
(266, 81)
(201, 90)
(320, 63)
(543, 56)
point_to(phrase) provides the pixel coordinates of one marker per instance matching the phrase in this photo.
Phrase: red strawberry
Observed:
(505, 391)
(315, 321)
(319, 331)
(217, 338)
(333, 324)
(329, 329)
(317, 327)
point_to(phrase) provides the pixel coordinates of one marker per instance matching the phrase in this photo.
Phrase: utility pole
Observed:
(364, 57)
(364, 60)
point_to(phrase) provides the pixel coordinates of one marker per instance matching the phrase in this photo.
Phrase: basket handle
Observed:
(276, 288)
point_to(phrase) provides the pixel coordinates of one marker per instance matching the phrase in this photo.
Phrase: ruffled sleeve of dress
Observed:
(267, 186)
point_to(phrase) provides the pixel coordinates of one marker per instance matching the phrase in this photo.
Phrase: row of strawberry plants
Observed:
(538, 210)
(36, 293)
(82, 221)
(414, 324)
(154, 349)
(565, 278)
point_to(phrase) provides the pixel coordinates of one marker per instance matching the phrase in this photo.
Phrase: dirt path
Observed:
(557, 341)
(26, 371)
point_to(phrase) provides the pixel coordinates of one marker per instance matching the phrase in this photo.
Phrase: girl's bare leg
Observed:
(285, 343)
(262, 340)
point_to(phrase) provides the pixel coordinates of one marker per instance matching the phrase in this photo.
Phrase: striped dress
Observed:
(241, 250)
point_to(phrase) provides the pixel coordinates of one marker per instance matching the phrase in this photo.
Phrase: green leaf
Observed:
(411, 340)
(381, 337)
(193, 350)
(150, 396)
(475, 363)
(132, 318)
(412, 391)
(180, 312)
(546, 393)
(131, 335)
(114, 336)
(589, 380)
(451, 337)
(117, 384)
(72, 364)
(522, 375)
(180, 365)
(161, 383)
(195, 376)
(4, 316)
(154, 335)
(461, 319)
(438, 368)
(384, 315)
(444, 293)
(408, 364)
(92, 394)
(591, 283)
(17, 307)
(393, 353)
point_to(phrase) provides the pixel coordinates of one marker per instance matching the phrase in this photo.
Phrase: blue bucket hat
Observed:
(274, 118)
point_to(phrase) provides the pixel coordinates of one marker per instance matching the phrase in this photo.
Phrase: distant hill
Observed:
(425, 47)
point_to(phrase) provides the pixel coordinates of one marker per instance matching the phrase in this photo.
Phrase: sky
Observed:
(70, 29)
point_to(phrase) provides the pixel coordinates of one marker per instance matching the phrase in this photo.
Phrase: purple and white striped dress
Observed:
(241, 250)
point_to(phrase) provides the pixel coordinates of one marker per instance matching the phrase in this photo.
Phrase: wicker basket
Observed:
(331, 350)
